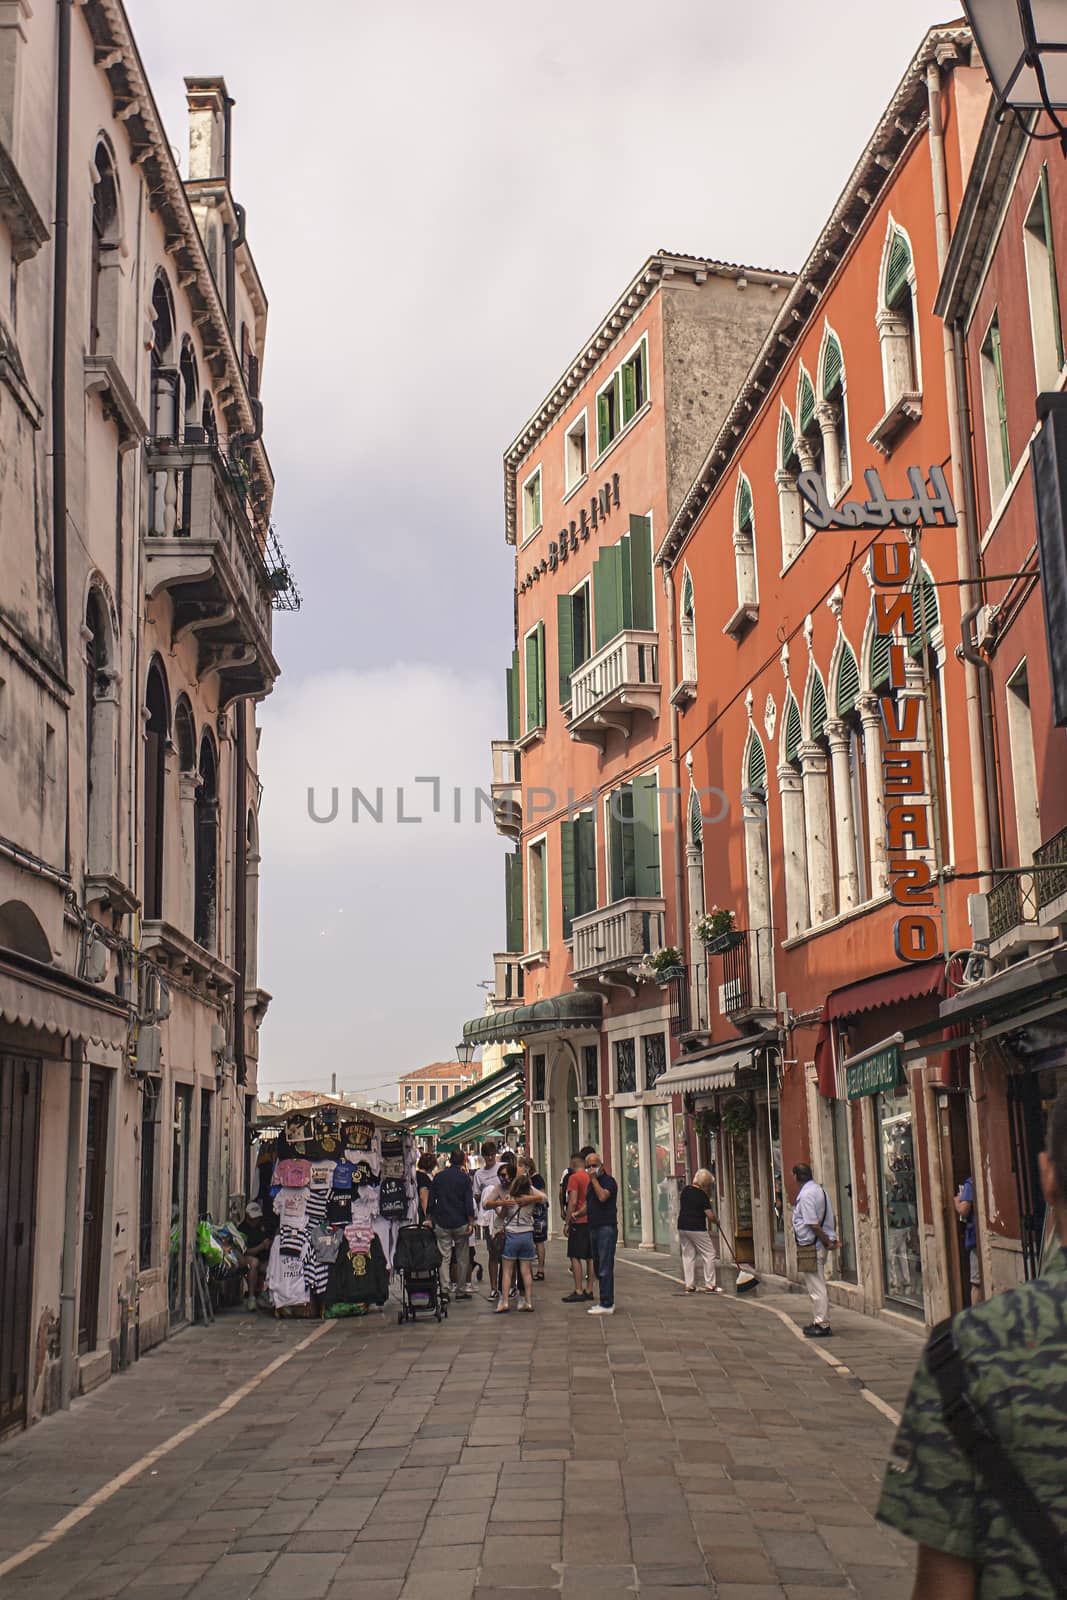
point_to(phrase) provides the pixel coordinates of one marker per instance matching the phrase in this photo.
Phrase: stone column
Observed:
(848, 883)
(871, 717)
(828, 416)
(757, 865)
(745, 560)
(790, 515)
(698, 993)
(100, 823)
(814, 768)
(794, 849)
(188, 784)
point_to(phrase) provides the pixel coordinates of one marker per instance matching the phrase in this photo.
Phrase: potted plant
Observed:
(738, 1116)
(715, 928)
(662, 966)
(708, 1121)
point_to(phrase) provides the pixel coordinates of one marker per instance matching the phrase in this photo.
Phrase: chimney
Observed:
(209, 128)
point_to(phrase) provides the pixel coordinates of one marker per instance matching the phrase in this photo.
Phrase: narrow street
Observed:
(689, 1446)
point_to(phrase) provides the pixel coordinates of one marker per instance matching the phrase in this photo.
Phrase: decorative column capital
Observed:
(827, 415)
(807, 450)
(812, 757)
(789, 779)
(837, 733)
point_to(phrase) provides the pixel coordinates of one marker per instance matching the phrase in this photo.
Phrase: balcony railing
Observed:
(606, 690)
(1051, 857)
(221, 569)
(616, 937)
(508, 981)
(507, 788)
(1005, 902)
(747, 983)
(678, 999)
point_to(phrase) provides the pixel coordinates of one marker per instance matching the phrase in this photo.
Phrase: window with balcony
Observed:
(625, 1066)
(531, 505)
(790, 507)
(537, 907)
(1043, 288)
(164, 418)
(633, 839)
(576, 452)
(622, 584)
(577, 842)
(1023, 766)
(534, 653)
(995, 413)
(574, 635)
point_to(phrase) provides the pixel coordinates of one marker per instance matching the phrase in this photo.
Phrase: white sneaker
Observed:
(601, 1311)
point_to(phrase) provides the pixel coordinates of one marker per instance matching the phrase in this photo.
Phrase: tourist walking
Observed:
(816, 1234)
(576, 1227)
(602, 1207)
(540, 1233)
(482, 1182)
(424, 1171)
(696, 1219)
(518, 1205)
(506, 1174)
(451, 1210)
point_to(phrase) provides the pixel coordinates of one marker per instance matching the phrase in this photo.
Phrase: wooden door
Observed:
(20, 1105)
(93, 1208)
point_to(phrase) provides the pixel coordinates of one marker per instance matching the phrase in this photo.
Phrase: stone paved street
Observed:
(688, 1446)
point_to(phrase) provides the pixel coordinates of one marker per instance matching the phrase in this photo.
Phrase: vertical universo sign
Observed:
(909, 824)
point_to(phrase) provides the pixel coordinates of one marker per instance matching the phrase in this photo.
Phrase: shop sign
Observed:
(878, 1073)
(587, 520)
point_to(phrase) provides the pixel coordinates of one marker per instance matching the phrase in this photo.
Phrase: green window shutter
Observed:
(607, 594)
(688, 603)
(927, 613)
(513, 902)
(833, 369)
(696, 820)
(818, 708)
(646, 834)
(535, 678)
(513, 696)
(756, 766)
(541, 697)
(603, 422)
(565, 645)
(896, 271)
(879, 660)
(584, 862)
(1046, 217)
(1002, 409)
(545, 935)
(744, 503)
(629, 393)
(787, 446)
(641, 571)
(626, 584)
(792, 730)
(806, 405)
(621, 842)
(566, 868)
(847, 687)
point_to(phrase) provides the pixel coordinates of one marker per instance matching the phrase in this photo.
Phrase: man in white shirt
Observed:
(815, 1228)
(484, 1180)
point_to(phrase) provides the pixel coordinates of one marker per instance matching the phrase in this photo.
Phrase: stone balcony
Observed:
(506, 788)
(508, 981)
(609, 942)
(608, 689)
(203, 547)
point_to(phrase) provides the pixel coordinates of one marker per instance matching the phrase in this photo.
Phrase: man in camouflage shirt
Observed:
(1014, 1350)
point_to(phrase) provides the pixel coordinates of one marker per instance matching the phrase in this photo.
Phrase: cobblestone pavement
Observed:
(687, 1446)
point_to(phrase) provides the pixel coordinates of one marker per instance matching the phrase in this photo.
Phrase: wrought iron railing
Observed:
(678, 997)
(747, 967)
(1005, 905)
(1051, 857)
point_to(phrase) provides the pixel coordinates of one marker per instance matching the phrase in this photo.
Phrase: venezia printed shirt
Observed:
(1014, 1350)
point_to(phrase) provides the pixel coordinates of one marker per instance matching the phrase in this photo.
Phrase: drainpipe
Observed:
(68, 1282)
(676, 769)
(61, 228)
(966, 550)
(240, 895)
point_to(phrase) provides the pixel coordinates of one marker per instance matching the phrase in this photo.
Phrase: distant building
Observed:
(428, 1086)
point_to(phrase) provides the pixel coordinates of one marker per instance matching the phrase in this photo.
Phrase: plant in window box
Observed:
(738, 1116)
(662, 967)
(715, 929)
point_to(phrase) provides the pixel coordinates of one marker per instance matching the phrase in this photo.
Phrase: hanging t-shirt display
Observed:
(393, 1199)
(342, 1175)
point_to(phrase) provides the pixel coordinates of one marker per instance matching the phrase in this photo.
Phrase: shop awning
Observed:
(480, 1089)
(32, 995)
(581, 1009)
(492, 1119)
(894, 988)
(712, 1069)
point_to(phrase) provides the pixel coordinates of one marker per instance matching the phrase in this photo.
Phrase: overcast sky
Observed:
(442, 202)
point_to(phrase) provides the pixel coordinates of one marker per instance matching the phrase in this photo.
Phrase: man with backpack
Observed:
(976, 1475)
(816, 1234)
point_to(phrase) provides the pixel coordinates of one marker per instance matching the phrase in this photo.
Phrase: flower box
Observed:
(723, 942)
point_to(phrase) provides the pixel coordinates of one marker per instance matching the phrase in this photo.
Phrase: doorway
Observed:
(179, 1203)
(20, 1109)
(841, 1124)
(741, 1174)
(573, 1135)
(96, 1129)
(955, 1152)
(629, 1179)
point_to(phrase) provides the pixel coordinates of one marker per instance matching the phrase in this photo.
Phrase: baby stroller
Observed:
(418, 1261)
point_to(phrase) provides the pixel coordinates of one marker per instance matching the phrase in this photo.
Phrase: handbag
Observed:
(808, 1254)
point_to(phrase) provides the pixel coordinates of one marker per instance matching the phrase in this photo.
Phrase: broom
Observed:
(746, 1279)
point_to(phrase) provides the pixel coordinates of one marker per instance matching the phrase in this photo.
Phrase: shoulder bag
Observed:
(808, 1254)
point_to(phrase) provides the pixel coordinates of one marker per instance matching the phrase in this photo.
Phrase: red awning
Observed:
(904, 983)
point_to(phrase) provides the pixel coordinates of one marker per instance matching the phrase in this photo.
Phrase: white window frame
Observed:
(830, 332)
(999, 476)
(586, 583)
(616, 379)
(531, 533)
(573, 483)
(540, 843)
(1046, 371)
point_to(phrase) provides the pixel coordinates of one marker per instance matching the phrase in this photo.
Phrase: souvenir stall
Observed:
(339, 1184)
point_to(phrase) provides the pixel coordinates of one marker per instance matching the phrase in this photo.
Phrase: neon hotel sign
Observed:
(908, 820)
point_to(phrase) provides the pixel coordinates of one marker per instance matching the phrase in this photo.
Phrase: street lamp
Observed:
(465, 1053)
(1024, 46)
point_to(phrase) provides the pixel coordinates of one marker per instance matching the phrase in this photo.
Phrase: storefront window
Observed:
(592, 1127)
(538, 1128)
(900, 1212)
(845, 1258)
(772, 1140)
(628, 1176)
(659, 1148)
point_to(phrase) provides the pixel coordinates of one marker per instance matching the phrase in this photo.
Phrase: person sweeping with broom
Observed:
(696, 1218)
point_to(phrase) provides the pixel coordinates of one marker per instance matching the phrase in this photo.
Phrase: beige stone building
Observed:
(139, 572)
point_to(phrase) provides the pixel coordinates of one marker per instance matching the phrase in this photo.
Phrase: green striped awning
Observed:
(579, 1009)
(491, 1119)
(478, 1090)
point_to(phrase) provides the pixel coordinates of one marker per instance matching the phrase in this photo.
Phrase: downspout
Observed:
(60, 241)
(240, 897)
(966, 553)
(676, 768)
(68, 1284)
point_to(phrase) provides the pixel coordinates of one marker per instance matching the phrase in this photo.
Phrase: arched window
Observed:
(205, 893)
(106, 237)
(188, 784)
(852, 805)
(898, 325)
(164, 373)
(832, 416)
(809, 445)
(744, 559)
(790, 509)
(688, 629)
(820, 837)
(794, 833)
(101, 736)
(157, 736)
(190, 391)
(757, 870)
(207, 421)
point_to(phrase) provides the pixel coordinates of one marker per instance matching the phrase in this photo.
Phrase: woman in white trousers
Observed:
(696, 1218)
